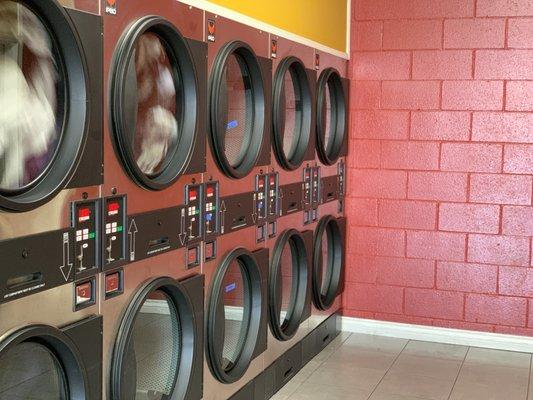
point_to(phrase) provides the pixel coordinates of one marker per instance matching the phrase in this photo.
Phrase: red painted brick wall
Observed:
(441, 163)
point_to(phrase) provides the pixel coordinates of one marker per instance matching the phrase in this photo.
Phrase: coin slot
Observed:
(158, 242)
(24, 280)
(239, 222)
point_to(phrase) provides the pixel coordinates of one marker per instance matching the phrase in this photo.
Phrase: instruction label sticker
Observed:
(211, 30)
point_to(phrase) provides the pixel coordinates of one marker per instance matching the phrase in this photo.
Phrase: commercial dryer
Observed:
(50, 140)
(236, 269)
(331, 146)
(154, 145)
(51, 345)
(239, 104)
(153, 330)
(332, 124)
(328, 263)
(293, 108)
(289, 293)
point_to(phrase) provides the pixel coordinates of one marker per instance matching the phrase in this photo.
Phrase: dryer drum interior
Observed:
(41, 360)
(234, 316)
(292, 110)
(288, 284)
(154, 102)
(327, 262)
(331, 116)
(43, 102)
(237, 109)
(154, 355)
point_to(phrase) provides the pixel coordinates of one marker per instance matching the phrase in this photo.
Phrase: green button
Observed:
(119, 229)
(91, 235)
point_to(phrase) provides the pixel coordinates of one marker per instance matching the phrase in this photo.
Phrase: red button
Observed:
(209, 250)
(112, 282)
(193, 256)
(84, 292)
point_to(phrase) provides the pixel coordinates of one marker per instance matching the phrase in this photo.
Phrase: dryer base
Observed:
(281, 371)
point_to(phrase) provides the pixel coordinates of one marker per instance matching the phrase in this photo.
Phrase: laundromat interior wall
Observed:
(316, 20)
(440, 164)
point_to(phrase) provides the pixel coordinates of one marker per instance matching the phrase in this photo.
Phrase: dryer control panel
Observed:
(273, 194)
(211, 209)
(260, 197)
(193, 213)
(341, 170)
(85, 219)
(315, 187)
(114, 232)
(307, 176)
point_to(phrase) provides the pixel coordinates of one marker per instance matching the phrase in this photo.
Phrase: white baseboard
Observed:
(440, 335)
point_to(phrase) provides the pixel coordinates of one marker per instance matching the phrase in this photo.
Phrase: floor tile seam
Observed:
(388, 369)
(458, 374)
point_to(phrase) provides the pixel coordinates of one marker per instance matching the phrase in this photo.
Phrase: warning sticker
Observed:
(274, 48)
(111, 7)
(211, 30)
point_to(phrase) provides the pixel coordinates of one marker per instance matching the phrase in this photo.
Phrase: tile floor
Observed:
(365, 367)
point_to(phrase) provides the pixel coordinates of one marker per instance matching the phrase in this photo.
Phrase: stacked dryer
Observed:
(154, 149)
(329, 225)
(50, 164)
(235, 257)
(290, 244)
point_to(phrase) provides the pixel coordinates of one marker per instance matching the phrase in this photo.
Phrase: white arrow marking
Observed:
(254, 213)
(222, 215)
(131, 232)
(182, 234)
(66, 258)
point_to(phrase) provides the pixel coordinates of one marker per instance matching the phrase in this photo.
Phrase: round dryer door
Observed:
(43, 102)
(237, 109)
(234, 316)
(331, 116)
(292, 110)
(40, 362)
(153, 357)
(154, 102)
(288, 284)
(327, 262)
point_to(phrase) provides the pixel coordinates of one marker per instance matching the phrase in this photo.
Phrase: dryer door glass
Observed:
(32, 97)
(153, 354)
(30, 371)
(154, 102)
(235, 325)
(156, 112)
(237, 110)
(288, 288)
(293, 113)
(292, 109)
(328, 262)
(328, 134)
(331, 117)
(288, 283)
(239, 102)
